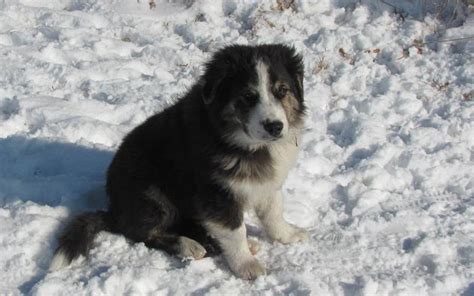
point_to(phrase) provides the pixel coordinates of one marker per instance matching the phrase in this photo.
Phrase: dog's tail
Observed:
(78, 237)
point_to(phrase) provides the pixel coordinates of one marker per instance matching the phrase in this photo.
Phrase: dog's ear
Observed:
(210, 89)
(218, 72)
(299, 84)
(294, 64)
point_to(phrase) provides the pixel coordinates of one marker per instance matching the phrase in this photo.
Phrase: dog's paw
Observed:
(248, 269)
(190, 248)
(291, 234)
(254, 246)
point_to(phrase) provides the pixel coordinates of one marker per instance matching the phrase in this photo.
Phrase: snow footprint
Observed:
(9, 107)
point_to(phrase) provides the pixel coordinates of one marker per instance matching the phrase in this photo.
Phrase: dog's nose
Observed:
(273, 127)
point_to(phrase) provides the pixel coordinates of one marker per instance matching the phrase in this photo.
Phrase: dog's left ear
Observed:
(299, 84)
(295, 66)
(297, 69)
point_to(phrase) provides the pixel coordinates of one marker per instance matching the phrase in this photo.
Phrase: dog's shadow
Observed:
(53, 174)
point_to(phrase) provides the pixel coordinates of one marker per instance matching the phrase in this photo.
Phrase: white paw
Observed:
(190, 248)
(248, 269)
(291, 234)
(254, 246)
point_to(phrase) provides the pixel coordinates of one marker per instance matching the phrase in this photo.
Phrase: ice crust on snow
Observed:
(384, 182)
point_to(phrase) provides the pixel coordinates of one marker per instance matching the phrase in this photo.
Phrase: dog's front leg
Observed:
(270, 213)
(236, 250)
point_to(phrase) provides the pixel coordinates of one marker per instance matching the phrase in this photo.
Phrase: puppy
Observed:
(181, 181)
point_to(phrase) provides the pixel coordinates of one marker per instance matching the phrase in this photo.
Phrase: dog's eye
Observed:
(282, 91)
(250, 98)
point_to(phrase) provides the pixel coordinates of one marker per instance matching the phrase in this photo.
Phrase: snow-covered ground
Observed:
(384, 182)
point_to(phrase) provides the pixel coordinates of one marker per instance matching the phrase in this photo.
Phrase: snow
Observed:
(384, 182)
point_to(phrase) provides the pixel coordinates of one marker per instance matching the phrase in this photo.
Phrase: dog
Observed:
(182, 180)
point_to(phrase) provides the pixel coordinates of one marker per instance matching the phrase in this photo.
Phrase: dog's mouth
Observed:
(270, 138)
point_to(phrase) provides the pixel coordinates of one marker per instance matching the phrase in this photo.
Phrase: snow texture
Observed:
(384, 182)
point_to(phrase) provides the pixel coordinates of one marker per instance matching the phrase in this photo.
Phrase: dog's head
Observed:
(255, 94)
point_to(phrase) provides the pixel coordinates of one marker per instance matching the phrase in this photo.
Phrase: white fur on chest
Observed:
(254, 192)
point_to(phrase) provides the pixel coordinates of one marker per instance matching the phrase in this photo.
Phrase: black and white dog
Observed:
(182, 180)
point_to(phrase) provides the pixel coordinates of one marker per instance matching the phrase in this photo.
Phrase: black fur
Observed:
(161, 183)
(78, 236)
